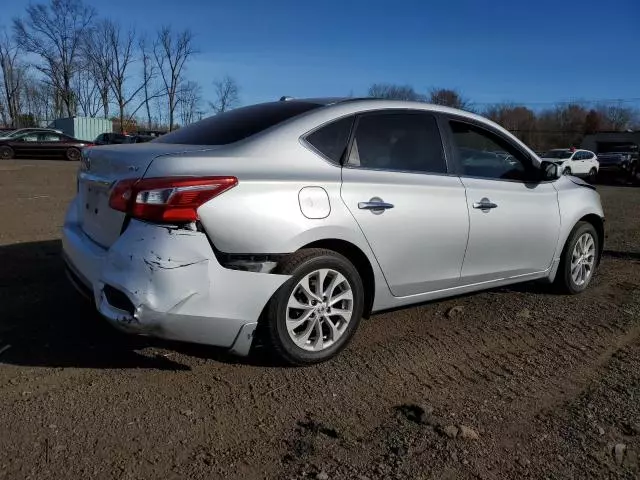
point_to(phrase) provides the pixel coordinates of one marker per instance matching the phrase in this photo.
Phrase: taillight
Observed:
(169, 199)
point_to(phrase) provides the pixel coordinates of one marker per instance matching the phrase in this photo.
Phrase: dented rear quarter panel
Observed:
(178, 288)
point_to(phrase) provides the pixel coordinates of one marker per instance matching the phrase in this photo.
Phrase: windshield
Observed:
(561, 154)
(16, 133)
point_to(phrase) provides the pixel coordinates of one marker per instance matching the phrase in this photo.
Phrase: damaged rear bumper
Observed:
(167, 283)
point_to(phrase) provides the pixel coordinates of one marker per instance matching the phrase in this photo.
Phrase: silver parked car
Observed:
(297, 218)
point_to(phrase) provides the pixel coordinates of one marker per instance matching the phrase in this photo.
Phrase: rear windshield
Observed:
(238, 124)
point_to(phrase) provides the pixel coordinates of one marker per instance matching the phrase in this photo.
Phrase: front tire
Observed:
(579, 259)
(6, 153)
(567, 171)
(315, 313)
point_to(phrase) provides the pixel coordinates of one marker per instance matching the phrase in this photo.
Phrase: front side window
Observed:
(331, 140)
(398, 141)
(483, 154)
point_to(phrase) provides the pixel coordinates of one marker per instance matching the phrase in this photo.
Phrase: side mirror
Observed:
(549, 171)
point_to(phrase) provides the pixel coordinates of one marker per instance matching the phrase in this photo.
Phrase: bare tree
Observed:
(519, 120)
(55, 33)
(39, 98)
(121, 52)
(593, 122)
(13, 72)
(98, 61)
(149, 72)
(227, 95)
(189, 101)
(171, 52)
(448, 98)
(617, 117)
(395, 92)
(88, 94)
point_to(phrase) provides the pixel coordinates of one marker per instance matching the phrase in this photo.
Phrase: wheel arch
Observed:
(359, 259)
(598, 223)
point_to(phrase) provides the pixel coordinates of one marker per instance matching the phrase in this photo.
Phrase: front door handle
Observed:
(484, 204)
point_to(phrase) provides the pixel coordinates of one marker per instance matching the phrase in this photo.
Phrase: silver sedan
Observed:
(295, 219)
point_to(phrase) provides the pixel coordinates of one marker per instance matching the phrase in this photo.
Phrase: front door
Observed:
(25, 145)
(411, 211)
(52, 144)
(514, 218)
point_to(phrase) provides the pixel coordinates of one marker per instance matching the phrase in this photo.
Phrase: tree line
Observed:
(61, 59)
(561, 125)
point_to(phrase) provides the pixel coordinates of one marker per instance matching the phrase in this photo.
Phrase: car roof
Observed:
(333, 108)
(382, 103)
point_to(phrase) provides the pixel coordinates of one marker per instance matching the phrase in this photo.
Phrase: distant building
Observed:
(83, 128)
(607, 142)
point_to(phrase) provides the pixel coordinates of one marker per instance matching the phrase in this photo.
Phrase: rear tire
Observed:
(6, 153)
(329, 291)
(73, 154)
(633, 172)
(593, 173)
(579, 259)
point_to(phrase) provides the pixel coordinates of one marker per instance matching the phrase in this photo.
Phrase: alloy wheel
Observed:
(319, 309)
(583, 259)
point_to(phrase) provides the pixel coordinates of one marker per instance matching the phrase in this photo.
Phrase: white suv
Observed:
(581, 163)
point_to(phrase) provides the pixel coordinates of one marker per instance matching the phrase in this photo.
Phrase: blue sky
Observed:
(491, 50)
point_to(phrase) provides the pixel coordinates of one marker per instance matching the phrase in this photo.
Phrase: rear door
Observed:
(514, 218)
(590, 161)
(411, 211)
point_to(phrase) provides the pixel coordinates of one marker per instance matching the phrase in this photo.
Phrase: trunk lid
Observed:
(101, 168)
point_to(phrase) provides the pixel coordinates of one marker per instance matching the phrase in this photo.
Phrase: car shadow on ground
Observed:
(621, 255)
(45, 322)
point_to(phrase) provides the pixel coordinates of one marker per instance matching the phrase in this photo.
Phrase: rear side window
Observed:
(237, 124)
(408, 142)
(331, 140)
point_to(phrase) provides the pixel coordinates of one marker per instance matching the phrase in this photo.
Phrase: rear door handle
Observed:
(484, 204)
(374, 205)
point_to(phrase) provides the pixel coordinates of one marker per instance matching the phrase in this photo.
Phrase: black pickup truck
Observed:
(622, 160)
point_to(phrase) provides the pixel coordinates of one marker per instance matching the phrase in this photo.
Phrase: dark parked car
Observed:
(118, 138)
(42, 144)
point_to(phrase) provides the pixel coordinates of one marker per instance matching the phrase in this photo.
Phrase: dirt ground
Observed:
(515, 383)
